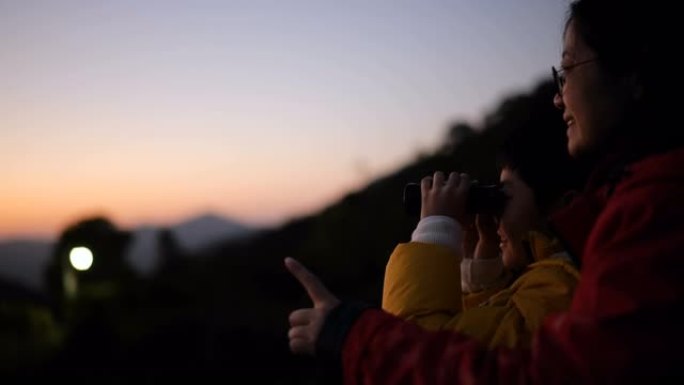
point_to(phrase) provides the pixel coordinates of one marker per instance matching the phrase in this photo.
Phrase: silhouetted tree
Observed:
(170, 251)
(457, 133)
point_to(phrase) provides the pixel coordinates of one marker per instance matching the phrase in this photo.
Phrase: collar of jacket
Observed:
(542, 246)
(574, 222)
(617, 159)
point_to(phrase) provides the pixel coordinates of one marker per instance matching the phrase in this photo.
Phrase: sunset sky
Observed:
(151, 112)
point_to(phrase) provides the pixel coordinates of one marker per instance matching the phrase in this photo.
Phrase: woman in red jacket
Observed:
(619, 92)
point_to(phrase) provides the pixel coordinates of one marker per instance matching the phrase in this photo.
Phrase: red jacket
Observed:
(625, 324)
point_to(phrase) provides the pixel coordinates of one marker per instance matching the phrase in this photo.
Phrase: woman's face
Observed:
(592, 102)
(518, 218)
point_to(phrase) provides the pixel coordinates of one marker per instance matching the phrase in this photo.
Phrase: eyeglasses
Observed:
(559, 75)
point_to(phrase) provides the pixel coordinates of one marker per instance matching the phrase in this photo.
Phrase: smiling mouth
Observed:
(569, 119)
(570, 128)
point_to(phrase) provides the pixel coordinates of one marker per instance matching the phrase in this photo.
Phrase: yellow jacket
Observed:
(422, 285)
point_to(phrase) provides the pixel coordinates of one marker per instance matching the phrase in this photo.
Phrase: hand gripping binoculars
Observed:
(482, 199)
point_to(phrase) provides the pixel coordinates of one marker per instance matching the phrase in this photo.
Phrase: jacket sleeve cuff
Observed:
(438, 230)
(481, 274)
(334, 332)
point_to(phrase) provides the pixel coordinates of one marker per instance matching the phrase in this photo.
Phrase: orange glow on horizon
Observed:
(46, 206)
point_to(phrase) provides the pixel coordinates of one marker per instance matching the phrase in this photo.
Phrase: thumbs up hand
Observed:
(306, 324)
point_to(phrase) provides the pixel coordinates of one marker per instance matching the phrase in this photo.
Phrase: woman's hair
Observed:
(614, 30)
(637, 39)
(537, 151)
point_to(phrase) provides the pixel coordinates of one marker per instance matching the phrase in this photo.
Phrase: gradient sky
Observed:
(155, 111)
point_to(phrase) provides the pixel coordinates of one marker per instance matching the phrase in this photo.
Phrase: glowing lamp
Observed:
(81, 258)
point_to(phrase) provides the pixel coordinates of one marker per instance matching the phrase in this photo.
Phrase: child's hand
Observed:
(448, 196)
(488, 239)
(306, 324)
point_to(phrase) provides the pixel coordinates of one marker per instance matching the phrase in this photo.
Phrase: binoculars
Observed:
(482, 199)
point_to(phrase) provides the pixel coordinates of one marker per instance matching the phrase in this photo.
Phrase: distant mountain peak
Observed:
(206, 229)
(25, 261)
(210, 219)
